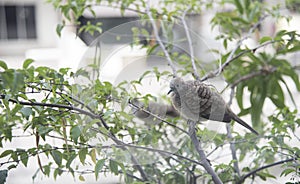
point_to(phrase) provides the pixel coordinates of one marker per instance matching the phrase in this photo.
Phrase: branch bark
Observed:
(264, 167)
(252, 75)
(199, 149)
(90, 114)
(155, 31)
(190, 43)
(231, 57)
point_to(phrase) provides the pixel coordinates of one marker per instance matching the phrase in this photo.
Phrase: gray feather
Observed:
(195, 100)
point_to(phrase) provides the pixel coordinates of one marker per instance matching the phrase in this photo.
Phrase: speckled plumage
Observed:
(195, 100)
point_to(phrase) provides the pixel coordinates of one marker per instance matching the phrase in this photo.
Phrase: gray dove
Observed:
(195, 100)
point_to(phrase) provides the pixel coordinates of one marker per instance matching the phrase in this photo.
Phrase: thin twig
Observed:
(92, 115)
(190, 43)
(233, 151)
(231, 57)
(199, 149)
(240, 42)
(61, 93)
(155, 31)
(121, 144)
(52, 105)
(117, 141)
(251, 173)
(213, 74)
(252, 75)
(229, 136)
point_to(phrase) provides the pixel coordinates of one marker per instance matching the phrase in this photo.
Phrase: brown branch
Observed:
(90, 114)
(233, 150)
(216, 72)
(264, 167)
(118, 142)
(199, 149)
(158, 39)
(61, 93)
(190, 43)
(232, 145)
(252, 75)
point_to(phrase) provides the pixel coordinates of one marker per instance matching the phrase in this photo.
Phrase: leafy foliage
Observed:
(82, 118)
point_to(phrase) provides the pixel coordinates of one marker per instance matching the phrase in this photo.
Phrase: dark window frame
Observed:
(18, 22)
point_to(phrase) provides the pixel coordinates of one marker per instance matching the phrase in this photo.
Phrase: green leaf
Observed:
(5, 153)
(289, 91)
(70, 160)
(225, 44)
(113, 166)
(239, 6)
(58, 172)
(257, 98)
(57, 156)
(59, 28)
(93, 155)
(26, 111)
(75, 133)
(287, 171)
(24, 158)
(143, 75)
(27, 62)
(239, 95)
(276, 93)
(81, 178)
(264, 175)
(98, 167)
(82, 155)
(3, 176)
(3, 65)
(265, 39)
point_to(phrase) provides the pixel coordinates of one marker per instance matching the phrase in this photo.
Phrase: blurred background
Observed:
(28, 30)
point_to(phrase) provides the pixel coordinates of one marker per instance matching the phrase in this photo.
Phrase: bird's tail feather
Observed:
(243, 123)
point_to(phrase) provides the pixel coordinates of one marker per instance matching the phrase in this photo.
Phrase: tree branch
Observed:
(61, 93)
(155, 31)
(233, 150)
(264, 167)
(252, 75)
(214, 74)
(190, 43)
(92, 115)
(199, 149)
(231, 57)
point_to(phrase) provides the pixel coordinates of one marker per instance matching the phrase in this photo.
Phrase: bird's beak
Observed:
(170, 91)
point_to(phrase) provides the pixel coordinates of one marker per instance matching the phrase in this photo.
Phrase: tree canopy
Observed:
(94, 125)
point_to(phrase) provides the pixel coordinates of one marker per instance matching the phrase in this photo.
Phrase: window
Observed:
(17, 22)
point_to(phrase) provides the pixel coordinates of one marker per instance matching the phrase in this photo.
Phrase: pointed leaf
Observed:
(75, 133)
(82, 155)
(57, 156)
(3, 65)
(27, 62)
(98, 167)
(113, 166)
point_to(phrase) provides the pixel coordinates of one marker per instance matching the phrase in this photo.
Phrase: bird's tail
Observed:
(243, 123)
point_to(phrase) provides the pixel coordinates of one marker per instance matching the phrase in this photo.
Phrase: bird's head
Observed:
(177, 85)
